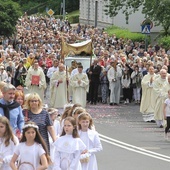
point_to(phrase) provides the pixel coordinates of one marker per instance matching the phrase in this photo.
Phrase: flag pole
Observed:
(67, 82)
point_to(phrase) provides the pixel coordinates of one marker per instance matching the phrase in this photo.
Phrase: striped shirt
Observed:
(42, 120)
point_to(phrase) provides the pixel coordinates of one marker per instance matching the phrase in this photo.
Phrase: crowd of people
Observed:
(33, 137)
(32, 60)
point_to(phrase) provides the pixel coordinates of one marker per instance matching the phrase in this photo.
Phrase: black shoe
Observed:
(153, 121)
(115, 104)
(161, 126)
(111, 104)
(91, 102)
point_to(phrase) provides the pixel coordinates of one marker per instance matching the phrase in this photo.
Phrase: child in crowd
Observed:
(90, 139)
(73, 108)
(68, 106)
(63, 116)
(19, 97)
(32, 151)
(68, 147)
(8, 143)
(73, 111)
(77, 111)
(126, 86)
(166, 111)
(53, 115)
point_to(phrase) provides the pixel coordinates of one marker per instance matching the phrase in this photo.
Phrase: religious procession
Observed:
(44, 123)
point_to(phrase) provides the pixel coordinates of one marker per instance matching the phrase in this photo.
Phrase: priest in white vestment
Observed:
(147, 102)
(40, 84)
(159, 83)
(80, 86)
(59, 88)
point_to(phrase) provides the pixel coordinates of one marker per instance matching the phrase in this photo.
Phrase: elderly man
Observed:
(11, 109)
(80, 85)
(158, 87)
(114, 75)
(147, 101)
(59, 88)
(35, 80)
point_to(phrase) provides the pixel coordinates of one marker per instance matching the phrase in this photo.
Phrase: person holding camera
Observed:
(136, 77)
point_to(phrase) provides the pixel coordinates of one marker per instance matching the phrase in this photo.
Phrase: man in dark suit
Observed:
(94, 76)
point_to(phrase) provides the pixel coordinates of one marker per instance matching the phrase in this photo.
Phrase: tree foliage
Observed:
(55, 5)
(156, 10)
(9, 14)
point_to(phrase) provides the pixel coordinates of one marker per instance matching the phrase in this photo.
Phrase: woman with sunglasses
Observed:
(33, 111)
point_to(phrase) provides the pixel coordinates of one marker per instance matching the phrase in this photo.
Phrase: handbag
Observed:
(25, 113)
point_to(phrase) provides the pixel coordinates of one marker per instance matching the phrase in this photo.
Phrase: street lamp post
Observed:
(64, 8)
(88, 15)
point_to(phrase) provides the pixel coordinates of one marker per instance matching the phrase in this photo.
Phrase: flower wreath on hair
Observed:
(68, 105)
(52, 112)
(76, 110)
(84, 113)
(30, 125)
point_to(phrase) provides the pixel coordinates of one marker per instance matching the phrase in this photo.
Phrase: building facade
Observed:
(92, 13)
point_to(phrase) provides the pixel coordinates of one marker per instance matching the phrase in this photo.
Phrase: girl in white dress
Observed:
(53, 115)
(32, 151)
(8, 143)
(68, 147)
(91, 140)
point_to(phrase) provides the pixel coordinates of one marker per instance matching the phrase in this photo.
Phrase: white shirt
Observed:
(167, 102)
(51, 70)
(75, 71)
(30, 154)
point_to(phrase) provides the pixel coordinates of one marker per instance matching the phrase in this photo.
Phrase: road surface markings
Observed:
(133, 148)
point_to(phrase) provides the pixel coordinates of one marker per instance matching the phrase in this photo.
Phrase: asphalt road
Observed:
(128, 142)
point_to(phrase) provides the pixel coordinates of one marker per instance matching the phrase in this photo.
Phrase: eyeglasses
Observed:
(33, 101)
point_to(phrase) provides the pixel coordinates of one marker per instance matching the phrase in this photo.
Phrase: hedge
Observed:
(165, 42)
(73, 19)
(126, 34)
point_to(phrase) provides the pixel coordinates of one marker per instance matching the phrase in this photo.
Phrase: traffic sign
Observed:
(146, 29)
(147, 21)
(50, 12)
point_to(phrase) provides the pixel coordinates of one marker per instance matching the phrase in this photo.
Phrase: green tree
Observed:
(156, 10)
(33, 6)
(9, 14)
